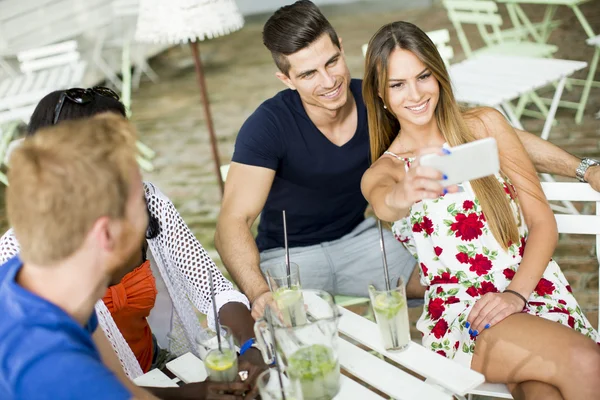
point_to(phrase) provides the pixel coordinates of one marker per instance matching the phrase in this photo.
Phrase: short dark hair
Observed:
(293, 28)
(43, 115)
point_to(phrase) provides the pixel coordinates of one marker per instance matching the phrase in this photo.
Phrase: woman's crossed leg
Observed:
(524, 348)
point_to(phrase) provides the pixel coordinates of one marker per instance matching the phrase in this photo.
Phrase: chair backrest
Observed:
(440, 38)
(125, 8)
(48, 56)
(576, 224)
(482, 13)
(29, 24)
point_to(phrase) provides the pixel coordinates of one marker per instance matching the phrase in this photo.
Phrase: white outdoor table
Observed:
(494, 80)
(444, 377)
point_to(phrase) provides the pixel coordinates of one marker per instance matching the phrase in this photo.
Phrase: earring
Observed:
(384, 107)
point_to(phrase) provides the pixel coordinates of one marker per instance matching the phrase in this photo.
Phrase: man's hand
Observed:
(592, 176)
(260, 303)
(492, 308)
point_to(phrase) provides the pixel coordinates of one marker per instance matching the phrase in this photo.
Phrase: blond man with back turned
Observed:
(76, 203)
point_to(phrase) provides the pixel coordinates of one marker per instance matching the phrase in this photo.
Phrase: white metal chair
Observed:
(44, 69)
(567, 224)
(484, 14)
(589, 81)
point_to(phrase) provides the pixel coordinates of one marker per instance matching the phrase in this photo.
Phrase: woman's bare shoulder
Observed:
(485, 122)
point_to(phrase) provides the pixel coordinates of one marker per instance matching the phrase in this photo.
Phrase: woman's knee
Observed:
(584, 362)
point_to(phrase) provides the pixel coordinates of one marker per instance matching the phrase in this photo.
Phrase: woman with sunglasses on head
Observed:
(495, 300)
(179, 262)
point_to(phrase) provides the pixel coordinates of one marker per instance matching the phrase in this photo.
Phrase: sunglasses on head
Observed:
(81, 96)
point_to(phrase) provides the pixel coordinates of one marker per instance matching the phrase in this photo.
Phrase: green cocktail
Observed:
(221, 365)
(391, 314)
(317, 371)
(291, 305)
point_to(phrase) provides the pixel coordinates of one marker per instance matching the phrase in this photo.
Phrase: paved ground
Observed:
(240, 75)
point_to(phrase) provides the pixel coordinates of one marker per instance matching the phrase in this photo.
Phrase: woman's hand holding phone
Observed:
(420, 182)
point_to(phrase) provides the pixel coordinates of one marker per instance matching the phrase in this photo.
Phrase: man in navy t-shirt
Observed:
(305, 151)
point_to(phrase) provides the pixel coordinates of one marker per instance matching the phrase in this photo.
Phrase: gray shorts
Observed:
(348, 265)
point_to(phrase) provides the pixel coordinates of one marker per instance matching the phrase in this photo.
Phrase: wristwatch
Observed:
(583, 167)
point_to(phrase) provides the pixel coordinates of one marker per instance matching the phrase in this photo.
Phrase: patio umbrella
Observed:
(189, 21)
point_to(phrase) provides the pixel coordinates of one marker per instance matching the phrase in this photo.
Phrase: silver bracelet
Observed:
(585, 164)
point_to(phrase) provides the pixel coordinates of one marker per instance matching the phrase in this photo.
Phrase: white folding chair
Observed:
(567, 224)
(44, 69)
(484, 14)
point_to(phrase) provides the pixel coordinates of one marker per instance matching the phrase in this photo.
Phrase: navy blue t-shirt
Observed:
(316, 182)
(44, 352)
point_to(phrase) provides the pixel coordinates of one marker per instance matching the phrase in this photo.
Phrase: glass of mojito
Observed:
(391, 314)
(286, 293)
(221, 364)
(269, 386)
(316, 370)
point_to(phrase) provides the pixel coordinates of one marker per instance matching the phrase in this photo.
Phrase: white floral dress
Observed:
(460, 260)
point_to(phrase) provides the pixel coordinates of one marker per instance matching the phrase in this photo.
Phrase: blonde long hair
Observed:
(384, 126)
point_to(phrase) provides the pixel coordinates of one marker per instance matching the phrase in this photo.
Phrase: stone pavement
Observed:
(240, 75)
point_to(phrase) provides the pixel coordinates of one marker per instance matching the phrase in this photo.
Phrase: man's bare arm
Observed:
(246, 192)
(551, 159)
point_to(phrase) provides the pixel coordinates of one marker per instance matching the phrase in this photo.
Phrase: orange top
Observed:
(129, 303)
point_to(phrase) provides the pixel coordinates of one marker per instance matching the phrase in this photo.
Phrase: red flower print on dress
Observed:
(559, 310)
(480, 264)
(536, 303)
(417, 227)
(487, 287)
(440, 328)
(436, 308)
(472, 291)
(444, 278)
(438, 250)
(424, 269)
(482, 217)
(571, 322)
(522, 247)
(561, 301)
(439, 290)
(456, 345)
(427, 226)
(452, 300)
(462, 258)
(568, 287)
(467, 227)
(508, 273)
(468, 204)
(442, 352)
(544, 287)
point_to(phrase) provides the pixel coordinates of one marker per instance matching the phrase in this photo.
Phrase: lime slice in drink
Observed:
(388, 304)
(220, 361)
(311, 362)
(287, 297)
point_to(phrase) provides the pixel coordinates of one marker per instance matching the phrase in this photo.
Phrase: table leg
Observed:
(547, 21)
(553, 107)
(587, 86)
(586, 26)
(536, 36)
(514, 120)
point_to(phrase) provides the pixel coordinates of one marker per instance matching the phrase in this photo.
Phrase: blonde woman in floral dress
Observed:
(495, 300)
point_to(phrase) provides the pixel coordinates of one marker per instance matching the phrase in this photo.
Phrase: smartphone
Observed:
(466, 162)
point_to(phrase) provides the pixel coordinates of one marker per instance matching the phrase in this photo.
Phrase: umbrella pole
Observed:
(205, 103)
